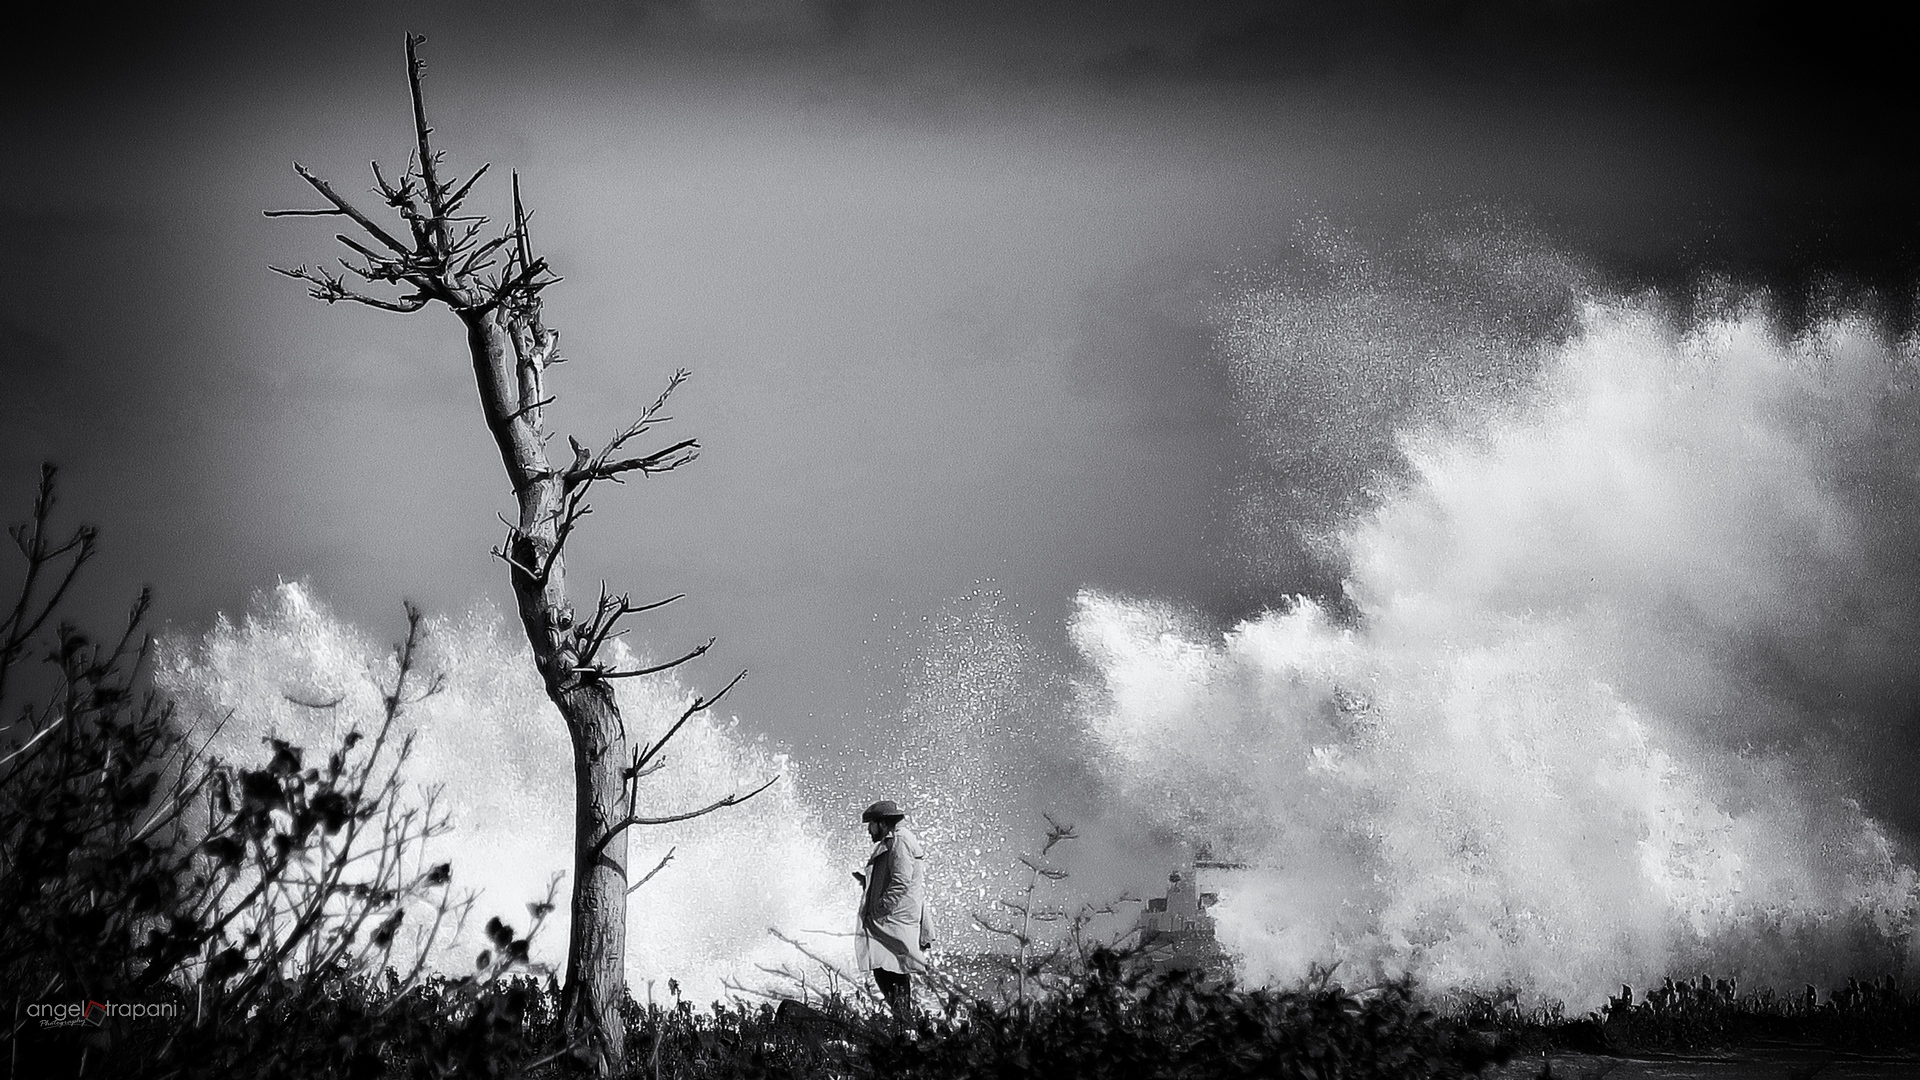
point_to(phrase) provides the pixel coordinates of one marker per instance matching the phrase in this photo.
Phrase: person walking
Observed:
(896, 924)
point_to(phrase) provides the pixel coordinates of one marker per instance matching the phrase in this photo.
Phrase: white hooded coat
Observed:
(896, 925)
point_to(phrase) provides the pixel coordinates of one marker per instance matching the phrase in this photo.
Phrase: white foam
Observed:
(498, 752)
(1556, 750)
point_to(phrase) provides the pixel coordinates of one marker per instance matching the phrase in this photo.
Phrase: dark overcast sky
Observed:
(942, 272)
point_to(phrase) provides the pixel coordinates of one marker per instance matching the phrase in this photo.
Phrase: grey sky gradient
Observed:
(945, 275)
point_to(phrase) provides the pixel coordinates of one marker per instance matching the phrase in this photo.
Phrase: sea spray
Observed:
(1575, 730)
(498, 755)
(1351, 336)
(966, 731)
(1620, 634)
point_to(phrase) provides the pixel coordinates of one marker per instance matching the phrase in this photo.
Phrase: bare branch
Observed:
(1048, 872)
(607, 613)
(519, 287)
(22, 623)
(42, 733)
(454, 200)
(698, 650)
(635, 609)
(525, 409)
(429, 164)
(660, 461)
(387, 269)
(515, 563)
(604, 467)
(857, 985)
(633, 819)
(641, 759)
(519, 233)
(662, 865)
(477, 260)
(332, 289)
(348, 209)
(399, 197)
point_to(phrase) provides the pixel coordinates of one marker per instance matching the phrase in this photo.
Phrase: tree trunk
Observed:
(597, 941)
(500, 344)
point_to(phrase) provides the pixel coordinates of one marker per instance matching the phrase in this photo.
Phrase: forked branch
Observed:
(607, 613)
(641, 759)
(332, 288)
(588, 467)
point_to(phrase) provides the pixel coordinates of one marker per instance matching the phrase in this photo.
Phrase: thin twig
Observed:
(661, 865)
(696, 652)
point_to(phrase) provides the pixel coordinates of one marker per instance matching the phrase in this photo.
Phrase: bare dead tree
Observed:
(493, 282)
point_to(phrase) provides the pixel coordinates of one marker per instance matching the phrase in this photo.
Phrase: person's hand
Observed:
(926, 942)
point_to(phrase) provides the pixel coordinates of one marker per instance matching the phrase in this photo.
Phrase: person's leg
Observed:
(897, 989)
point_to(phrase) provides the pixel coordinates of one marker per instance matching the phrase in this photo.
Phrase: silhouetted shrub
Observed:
(1117, 1023)
(1711, 1013)
(256, 911)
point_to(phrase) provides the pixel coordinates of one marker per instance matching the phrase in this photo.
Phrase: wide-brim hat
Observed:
(884, 810)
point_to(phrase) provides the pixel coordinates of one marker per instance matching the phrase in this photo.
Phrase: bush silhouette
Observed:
(251, 915)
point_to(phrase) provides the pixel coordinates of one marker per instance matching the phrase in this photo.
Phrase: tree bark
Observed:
(509, 349)
(597, 941)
